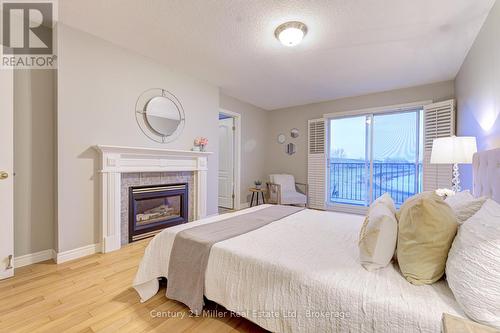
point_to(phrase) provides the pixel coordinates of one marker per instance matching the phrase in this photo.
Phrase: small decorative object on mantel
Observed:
(199, 144)
(159, 115)
(258, 184)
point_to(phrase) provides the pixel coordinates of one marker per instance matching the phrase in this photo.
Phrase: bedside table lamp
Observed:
(454, 150)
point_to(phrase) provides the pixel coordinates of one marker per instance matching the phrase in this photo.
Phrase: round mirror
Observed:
(162, 115)
(159, 115)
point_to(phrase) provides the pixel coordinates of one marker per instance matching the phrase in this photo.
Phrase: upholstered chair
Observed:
(282, 190)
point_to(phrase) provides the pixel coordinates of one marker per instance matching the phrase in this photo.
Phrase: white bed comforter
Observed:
(301, 274)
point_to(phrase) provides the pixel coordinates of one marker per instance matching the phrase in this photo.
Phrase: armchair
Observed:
(282, 190)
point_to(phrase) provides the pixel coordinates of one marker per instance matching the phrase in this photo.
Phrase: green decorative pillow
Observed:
(427, 227)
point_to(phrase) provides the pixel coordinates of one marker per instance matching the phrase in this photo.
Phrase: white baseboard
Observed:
(33, 258)
(77, 253)
(244, 205)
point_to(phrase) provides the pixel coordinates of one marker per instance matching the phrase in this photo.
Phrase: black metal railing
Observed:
(349, 181)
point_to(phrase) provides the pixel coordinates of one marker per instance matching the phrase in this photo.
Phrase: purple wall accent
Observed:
(477, 89)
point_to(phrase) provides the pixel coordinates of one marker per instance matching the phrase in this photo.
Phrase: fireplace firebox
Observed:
(153, 208)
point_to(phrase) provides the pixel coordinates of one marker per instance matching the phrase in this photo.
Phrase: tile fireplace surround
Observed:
(151, 178)
(116, 162)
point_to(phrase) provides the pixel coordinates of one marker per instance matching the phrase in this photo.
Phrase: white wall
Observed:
(283, 120)
(34, 160)
(98, 85)
(477, 88)
(255, 126)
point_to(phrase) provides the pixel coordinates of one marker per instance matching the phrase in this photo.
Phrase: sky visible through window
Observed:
(348, 138)
(394, 137)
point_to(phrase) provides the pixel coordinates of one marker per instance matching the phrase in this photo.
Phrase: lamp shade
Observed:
(453, 149)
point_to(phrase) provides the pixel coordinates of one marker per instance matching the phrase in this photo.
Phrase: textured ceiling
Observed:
(353, 47)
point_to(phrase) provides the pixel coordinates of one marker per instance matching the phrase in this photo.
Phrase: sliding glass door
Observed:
(372, 154)
(349, 165)
(397, 162)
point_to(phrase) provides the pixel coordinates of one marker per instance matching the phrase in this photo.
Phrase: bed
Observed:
(276, 277)
(302, 274)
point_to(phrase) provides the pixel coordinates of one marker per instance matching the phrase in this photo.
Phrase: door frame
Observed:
(236, 156)
(380, 110)
(7, 226)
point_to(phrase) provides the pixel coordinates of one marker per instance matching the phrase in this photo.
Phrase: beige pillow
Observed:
(378, 235)
(427, 226)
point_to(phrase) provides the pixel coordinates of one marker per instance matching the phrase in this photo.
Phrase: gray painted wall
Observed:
(477, 89)
(255, 126)
(283, 120)
(34, 160)
(98, 85)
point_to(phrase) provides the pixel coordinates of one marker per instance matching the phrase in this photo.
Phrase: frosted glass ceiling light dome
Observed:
(291, 33)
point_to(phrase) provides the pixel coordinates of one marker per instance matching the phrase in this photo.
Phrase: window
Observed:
(375, 153)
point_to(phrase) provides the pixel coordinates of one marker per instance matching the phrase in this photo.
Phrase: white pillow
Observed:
(459, 197)
(387, 201)
(464, 205)
(473, 265)
(378, 236)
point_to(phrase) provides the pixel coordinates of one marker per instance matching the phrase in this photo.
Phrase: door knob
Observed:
(3, 175)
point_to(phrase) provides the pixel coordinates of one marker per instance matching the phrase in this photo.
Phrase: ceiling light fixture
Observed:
(291, 33)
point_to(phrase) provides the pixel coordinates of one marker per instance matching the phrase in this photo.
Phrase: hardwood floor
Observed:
(94, 294)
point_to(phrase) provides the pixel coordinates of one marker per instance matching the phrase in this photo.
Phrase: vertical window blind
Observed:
(439, 122)
(316, 161)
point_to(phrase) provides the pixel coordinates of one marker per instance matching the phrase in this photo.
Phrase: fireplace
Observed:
(122, 167)
(153, 208)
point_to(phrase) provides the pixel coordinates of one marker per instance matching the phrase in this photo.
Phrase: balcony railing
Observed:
(349, 182)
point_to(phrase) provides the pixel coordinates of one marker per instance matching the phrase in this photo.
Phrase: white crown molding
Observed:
(33, 258)
(83, 251)
(116, 160)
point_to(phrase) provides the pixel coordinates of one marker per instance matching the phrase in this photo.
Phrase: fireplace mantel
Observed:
(116, 160)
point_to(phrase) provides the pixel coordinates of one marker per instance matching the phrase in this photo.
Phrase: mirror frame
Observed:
(141, 117)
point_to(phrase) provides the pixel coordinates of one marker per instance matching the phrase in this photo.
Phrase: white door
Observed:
(6, 179)
(226, 163)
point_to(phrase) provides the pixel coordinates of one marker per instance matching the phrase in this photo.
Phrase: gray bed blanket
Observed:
(191, 249)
